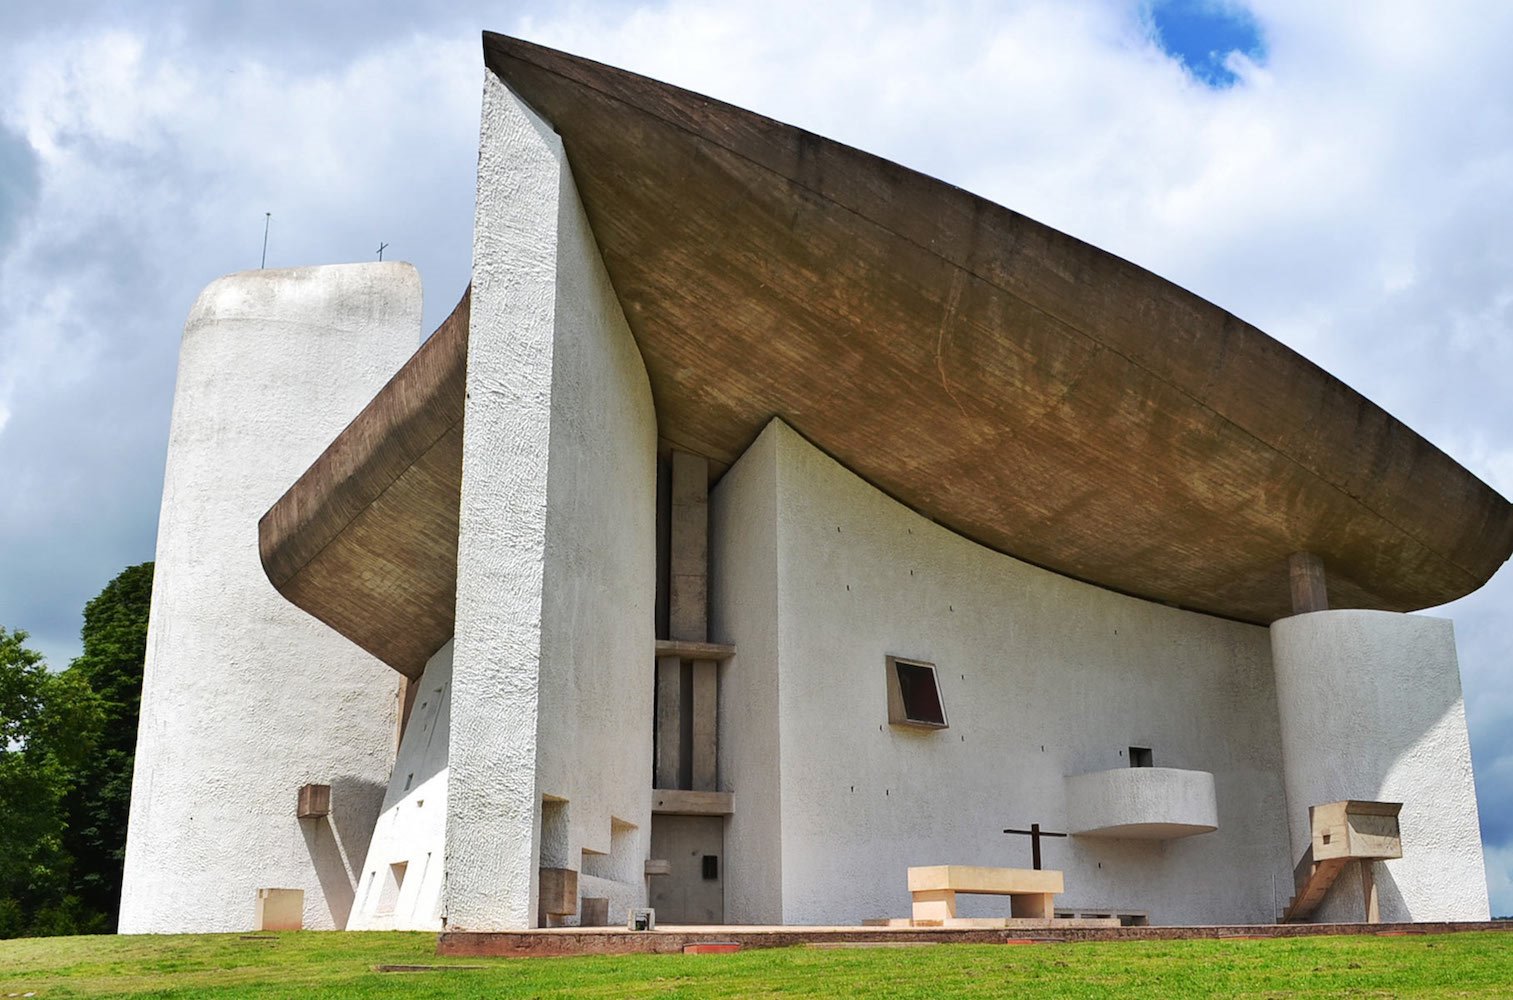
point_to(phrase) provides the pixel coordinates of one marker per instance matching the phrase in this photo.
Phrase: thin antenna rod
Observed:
(381, 247)
(267, 218)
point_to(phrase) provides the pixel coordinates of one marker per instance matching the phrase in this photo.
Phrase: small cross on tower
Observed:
(1035, 833)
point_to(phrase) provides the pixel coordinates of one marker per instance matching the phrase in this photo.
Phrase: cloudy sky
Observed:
(1340, 175)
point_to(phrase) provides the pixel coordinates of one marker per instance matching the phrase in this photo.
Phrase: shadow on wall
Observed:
(1350, 904)
(338, 843)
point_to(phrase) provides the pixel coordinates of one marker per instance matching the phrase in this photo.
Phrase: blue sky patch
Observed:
(1202, 33)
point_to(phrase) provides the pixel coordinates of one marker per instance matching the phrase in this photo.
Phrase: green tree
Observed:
(115, 647)
(48, 724)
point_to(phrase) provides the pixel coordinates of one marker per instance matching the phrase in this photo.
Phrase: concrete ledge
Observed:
(1141, 803)
(683, 802)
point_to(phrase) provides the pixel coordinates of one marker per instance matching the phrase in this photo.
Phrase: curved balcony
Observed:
(1142, 803)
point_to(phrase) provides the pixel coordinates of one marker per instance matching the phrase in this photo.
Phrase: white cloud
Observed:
(156, 157)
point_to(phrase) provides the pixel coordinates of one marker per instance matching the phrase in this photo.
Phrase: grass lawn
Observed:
(1478, 964)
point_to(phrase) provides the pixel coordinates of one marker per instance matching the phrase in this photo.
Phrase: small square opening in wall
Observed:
(914, 694)
(1141, 757)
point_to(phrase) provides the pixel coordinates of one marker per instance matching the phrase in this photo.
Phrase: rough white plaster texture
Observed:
(743, 608)
(411, 828)
(1371, 708)
(818, 577)
(245, 697)
(552, 678)
(1158, 803)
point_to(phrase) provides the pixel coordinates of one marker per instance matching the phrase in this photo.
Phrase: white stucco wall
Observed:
(743, 595)
(1042, 677)
(552, 678)
(411, 828)
(1371, 708)
(245, 697)
(594, 730)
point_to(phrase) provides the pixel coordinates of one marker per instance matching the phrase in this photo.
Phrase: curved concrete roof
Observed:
(1015, 384)
(366, 539)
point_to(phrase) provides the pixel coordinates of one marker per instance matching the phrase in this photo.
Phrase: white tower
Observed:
(245, 697)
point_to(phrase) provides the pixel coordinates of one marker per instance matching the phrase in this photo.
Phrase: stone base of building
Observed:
(566, 941)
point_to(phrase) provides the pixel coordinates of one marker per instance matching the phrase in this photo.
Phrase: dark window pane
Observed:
(920, 694)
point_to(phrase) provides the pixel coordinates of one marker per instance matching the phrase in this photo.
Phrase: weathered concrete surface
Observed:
(1030, 391)
(1371, 708)
(245, 697)
(1141, 803)
(1008, 381)
(366, 539)
(1042, 677)
(552, 679)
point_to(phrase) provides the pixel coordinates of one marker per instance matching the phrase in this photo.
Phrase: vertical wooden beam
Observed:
(688, 549)
(706, 692)
(669, 721)
(1306, 572)
(1368, 892)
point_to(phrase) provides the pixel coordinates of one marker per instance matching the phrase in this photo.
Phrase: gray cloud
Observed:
(18, 182)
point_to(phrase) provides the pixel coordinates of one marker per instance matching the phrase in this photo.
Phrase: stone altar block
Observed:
(1032, 893)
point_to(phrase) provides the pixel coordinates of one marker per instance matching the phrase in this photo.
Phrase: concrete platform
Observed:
(992, 923)
(560, 941)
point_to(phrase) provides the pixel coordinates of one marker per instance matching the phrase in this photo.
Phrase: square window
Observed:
(1141, 757)
(914, 694)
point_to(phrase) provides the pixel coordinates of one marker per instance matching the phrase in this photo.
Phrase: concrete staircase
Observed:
(1314, 880)
(1350, 832)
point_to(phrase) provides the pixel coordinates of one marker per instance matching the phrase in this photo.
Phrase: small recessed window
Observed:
(392, 886)
(1141, 757)
(914, 694)
(711, 867)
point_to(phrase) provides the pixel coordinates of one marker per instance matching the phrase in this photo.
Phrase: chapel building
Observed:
(765, 520)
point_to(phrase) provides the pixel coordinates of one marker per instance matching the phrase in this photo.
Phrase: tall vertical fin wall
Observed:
(594, 731)
(552, 679)
(1371, 708)
(246, 697)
